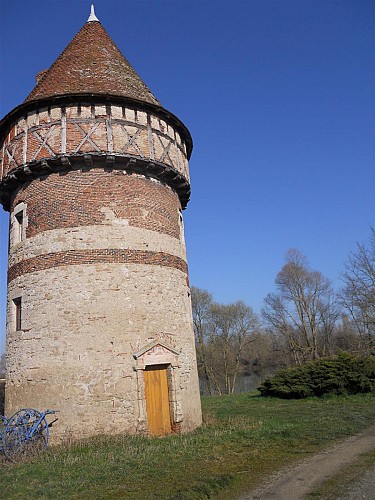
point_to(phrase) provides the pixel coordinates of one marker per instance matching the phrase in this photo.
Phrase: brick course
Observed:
(84, 198)
(106, 256)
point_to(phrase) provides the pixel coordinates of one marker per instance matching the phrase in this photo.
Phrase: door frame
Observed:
(158, 353)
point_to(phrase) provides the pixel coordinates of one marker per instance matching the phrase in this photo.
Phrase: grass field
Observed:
(245, 437)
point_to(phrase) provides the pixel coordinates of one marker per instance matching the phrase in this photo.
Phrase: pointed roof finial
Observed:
(92, 16)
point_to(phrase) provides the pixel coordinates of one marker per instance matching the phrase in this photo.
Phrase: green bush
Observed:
(342, 374)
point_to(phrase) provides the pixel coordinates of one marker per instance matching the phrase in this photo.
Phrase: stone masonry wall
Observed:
(81, 326)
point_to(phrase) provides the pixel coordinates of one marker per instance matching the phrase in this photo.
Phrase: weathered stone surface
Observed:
(80, 332)
(98, 289)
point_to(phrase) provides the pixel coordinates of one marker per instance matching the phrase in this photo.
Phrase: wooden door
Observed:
(157, 400)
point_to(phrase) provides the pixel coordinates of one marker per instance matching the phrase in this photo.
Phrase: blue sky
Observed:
(279, 98)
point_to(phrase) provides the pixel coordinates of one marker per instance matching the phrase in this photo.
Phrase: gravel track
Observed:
(294, 483)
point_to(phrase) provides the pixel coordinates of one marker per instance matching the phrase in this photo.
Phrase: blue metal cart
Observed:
(25, 433)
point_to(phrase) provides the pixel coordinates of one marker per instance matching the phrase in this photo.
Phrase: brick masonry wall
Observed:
(99, 197)
(73, 130)
(102, 256)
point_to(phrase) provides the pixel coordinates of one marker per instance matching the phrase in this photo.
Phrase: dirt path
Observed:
(365, 488)
(295, 483)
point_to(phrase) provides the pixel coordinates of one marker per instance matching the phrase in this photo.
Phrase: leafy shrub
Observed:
(342, 374)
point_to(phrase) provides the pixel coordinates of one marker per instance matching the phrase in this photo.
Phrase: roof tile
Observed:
(92, 63)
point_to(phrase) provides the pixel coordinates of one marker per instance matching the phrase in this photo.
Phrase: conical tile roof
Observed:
(92, 64)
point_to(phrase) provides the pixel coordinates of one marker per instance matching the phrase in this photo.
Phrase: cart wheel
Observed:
(25, 434)
(13, 443)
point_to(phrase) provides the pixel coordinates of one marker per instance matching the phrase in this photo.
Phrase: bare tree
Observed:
(304, 309)
(358, 294)
(346, 337)
(222, 332)
(232, 328)
(201, 304)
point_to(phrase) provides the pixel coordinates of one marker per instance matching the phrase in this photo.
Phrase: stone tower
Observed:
(94, 173)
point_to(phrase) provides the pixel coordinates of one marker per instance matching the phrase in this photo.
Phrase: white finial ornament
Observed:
(92, 16)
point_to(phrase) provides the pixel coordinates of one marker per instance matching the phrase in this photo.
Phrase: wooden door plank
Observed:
(157, 400)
